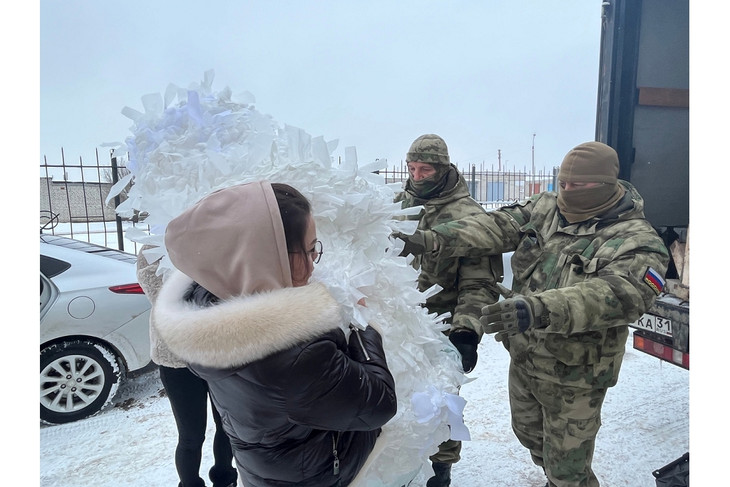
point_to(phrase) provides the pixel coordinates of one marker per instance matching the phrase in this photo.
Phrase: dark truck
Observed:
(643, 113)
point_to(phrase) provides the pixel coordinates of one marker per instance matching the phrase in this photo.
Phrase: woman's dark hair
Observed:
(294, 209)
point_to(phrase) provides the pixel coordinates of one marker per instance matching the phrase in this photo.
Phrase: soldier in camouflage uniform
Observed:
(586, 262)
(467, 282)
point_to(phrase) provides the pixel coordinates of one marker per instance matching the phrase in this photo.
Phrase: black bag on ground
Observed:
(675, 474)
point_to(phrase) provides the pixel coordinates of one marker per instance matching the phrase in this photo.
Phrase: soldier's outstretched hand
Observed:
(415, 244)
(513, 315)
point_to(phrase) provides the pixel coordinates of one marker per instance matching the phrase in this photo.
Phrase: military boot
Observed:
(442, 477)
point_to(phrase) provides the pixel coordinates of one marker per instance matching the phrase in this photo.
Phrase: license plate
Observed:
(653, 323)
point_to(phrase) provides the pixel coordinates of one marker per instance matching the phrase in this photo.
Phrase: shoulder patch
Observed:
(654, 280)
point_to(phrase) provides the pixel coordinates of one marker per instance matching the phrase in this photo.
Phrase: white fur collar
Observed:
(244, 328)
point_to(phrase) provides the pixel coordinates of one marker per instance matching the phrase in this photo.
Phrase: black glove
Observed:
(513, 315)
(466, 342)
(416, 244)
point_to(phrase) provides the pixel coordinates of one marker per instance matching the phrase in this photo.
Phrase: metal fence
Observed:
(72, 201)
(72, 196)
(492, 189)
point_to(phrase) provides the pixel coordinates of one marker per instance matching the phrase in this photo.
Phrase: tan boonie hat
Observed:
(429, 148)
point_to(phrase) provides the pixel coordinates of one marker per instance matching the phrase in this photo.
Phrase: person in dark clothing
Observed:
(302, 395)
(188, 395)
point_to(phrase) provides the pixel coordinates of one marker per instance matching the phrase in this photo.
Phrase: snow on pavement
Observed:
(645, 426)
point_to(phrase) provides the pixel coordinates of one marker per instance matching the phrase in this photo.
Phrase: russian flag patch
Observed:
(654, 280)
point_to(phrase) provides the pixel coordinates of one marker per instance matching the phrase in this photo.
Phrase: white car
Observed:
(94, 326)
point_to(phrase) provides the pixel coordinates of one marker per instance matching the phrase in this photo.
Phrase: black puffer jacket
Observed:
(301, 405)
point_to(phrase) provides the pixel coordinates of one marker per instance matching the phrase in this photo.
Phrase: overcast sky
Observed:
(485, 75)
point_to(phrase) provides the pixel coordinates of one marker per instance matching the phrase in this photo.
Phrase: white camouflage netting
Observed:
(195, 141)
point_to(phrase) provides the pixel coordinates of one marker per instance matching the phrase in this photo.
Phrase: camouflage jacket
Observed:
(592, 277)
(467, 283)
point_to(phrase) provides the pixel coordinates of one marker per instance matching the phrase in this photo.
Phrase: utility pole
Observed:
(533, 155)
(499, 159)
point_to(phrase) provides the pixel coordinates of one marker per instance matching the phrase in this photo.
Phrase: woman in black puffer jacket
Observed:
(302, 397)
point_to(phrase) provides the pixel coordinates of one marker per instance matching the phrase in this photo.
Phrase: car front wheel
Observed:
(78, 379)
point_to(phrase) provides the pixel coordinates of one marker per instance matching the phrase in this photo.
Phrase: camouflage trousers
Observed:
(449, 452)
(558, 423)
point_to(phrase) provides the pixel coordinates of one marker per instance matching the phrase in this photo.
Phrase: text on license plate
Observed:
(654, 323)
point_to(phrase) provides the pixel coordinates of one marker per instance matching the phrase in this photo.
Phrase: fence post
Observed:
(115, 179)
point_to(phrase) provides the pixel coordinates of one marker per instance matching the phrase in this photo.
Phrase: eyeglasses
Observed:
(315, 253)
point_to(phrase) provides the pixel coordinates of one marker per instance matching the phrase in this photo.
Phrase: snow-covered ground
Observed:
(645, 426)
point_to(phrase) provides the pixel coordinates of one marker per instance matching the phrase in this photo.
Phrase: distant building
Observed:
(75, 201)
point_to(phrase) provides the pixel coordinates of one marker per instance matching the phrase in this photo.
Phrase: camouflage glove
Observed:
(466, 342)
(416, 244)
(513, 315)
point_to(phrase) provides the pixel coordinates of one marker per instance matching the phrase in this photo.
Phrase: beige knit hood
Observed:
(232, 241)
(590, 162)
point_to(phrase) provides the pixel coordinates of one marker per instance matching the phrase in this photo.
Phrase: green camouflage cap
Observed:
(429, 148)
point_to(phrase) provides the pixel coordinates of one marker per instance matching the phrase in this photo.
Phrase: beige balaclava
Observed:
(430, 149)
(232, 242)
(590, 162)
